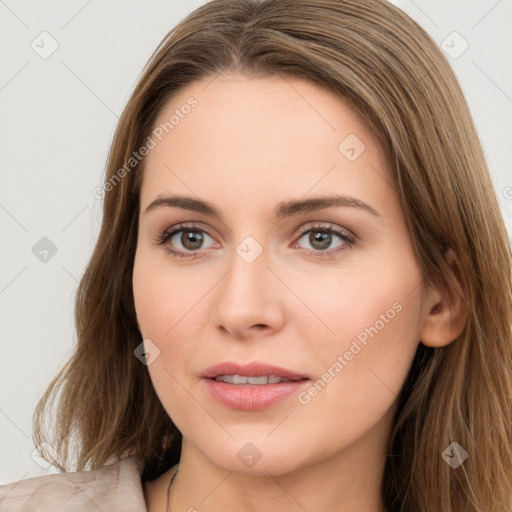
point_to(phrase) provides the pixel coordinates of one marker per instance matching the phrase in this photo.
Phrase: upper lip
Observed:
(254, 369)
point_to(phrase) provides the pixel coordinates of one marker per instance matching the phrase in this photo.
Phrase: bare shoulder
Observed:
(116, 486)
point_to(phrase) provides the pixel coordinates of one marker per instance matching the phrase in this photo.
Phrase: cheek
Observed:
(164, 297)
(362, 374)
(377, 292)
(167, 306)
(374, 320)
(172, 307)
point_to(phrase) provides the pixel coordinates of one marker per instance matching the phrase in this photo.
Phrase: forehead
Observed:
(248, 137)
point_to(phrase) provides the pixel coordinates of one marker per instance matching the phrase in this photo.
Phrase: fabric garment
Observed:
(113, 488)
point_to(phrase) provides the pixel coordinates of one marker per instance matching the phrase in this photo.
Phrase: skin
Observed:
(249, 144)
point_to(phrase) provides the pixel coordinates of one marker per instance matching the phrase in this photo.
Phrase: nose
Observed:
(249, 299)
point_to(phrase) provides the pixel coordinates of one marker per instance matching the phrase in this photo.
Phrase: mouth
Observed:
(253, 381)
(252, 387)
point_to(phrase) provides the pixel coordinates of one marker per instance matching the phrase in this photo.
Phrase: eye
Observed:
(185, 240)
(190, 241)
(321, 237)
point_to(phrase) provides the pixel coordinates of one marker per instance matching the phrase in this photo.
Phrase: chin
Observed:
(257, 456)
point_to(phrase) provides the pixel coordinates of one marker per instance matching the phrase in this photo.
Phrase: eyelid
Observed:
(318, 225)
(181, 226)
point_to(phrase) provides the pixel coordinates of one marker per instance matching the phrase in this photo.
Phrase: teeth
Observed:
(256, 381)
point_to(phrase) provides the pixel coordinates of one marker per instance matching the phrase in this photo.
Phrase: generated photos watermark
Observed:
(357, 345)
(137, 156)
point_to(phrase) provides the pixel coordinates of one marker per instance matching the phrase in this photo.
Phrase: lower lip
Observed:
(250, 397)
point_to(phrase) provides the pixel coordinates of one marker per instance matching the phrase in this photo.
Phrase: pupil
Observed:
(320, 239)
(191, 239)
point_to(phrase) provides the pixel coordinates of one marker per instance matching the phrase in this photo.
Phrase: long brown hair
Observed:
(375, 57)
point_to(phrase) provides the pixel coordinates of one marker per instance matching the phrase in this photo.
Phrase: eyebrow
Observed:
(282, 210)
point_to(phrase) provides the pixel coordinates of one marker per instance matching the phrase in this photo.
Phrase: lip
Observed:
(254, 369)
(251, 397)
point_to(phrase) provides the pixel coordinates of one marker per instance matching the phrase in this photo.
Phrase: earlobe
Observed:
(446, 311)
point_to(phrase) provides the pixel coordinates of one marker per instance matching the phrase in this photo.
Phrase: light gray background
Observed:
(58, 117)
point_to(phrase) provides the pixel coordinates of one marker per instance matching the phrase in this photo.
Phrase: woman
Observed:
(300, 297)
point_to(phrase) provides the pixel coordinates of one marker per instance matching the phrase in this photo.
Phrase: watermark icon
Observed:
(147, 352)
(304, 397)
(249, 454)
(137, 156)
(454, 455)
(249, 249)
(454, 45)
(351, 147)
(507, 193)
(44, 249)
(44, 45)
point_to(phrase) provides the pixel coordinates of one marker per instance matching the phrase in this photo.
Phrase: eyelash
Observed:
(348, 240)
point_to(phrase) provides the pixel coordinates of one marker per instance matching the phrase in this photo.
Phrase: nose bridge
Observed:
(249, 294)
(248, 280)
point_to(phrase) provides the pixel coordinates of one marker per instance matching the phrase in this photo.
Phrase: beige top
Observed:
(113, 488)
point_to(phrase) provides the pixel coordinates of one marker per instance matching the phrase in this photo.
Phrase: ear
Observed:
(446, 311)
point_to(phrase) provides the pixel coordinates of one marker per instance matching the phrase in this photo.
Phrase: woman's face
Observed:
(267, 274)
